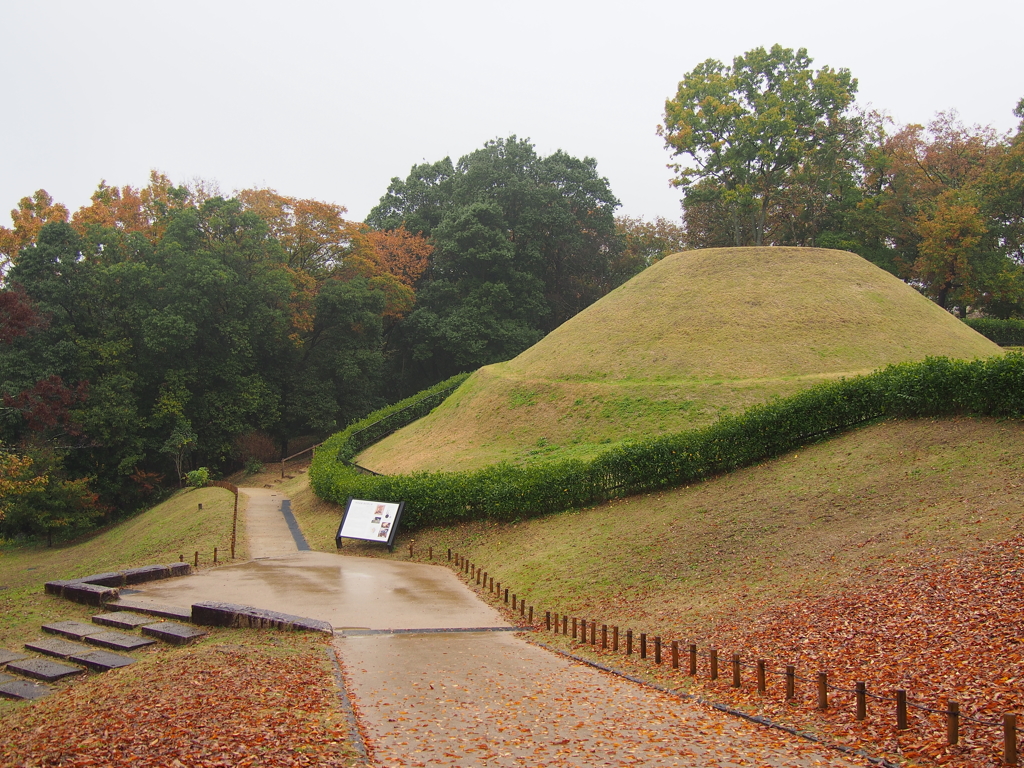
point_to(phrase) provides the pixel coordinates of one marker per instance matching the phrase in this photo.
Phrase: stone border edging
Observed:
(215, 614)
(724, 708)
(428, 631)
(100, 588)
(355, 734)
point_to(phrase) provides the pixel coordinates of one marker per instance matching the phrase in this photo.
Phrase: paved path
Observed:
(266, 527)
(483, 698)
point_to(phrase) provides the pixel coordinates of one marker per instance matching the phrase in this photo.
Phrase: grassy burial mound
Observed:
(696, 335)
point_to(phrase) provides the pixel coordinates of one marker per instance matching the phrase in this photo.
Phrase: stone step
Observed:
(118, 641)
(122, 619)
(24, 690)
(44, 669)
(76, 630)
(102, 661)
(7, 656)
(54, 646)
(151, 609)
(174, 633)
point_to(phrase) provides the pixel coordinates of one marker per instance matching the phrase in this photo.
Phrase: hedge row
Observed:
(937, 386)
(1005, 333)
(377, 425)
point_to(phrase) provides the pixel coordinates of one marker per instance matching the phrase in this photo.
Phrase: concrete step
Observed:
(56, 647)
(43, 669)
(118, 641)
(174, 633)
(151, 609)
(122, 619)
(20, 689)
(75, 630)
(102, 661)
(7, 656)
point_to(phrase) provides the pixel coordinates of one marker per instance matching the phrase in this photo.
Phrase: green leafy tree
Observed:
(521, 244)
(753, 129)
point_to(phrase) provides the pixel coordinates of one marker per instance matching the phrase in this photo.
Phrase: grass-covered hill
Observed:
(697, 334)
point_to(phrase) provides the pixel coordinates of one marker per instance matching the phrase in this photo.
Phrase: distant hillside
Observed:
(697, 334)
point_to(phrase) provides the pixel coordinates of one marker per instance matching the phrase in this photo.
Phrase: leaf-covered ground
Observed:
(949, 630)
(237, 699)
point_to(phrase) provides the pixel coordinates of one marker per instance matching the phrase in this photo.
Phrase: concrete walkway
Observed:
(266, 527)
(428, 696)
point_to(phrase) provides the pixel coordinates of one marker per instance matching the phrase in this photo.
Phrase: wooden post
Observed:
(901, 710)
(214, 555)
(952, 723)
(629, 642)
(282, 469)
(506, 595)
(431, 551)
(574, 628)
(565, 624)
(449, 554)
(822, 691)
(604, 637)
(643, 645)
(547, 620)
(790, 682)
(862, 701)
(513, 601)
(615, 638)
(200, 506)
(197, 559)
(693, 660)
(675, 654)
(530, 620)
(522, 608)
(714, 663)
(1009, 740)
(735, 670)
(593, 632)
(410, 551)
(657, 650)
(761, 684)
(181, 558)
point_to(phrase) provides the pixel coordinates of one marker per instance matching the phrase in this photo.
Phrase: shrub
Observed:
(1005, 333)
(937, 386)
(198, 478)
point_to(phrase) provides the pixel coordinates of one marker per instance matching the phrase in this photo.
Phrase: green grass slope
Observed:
(695, 335)
(159, 535)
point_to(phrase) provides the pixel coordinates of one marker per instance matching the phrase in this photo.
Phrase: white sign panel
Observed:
(369, 521)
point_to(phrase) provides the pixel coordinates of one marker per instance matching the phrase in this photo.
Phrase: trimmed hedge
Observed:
(937, 386)
(1005, 333)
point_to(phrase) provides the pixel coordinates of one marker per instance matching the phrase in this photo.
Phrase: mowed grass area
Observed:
(698, 562)
(159, 535)
(694, 336)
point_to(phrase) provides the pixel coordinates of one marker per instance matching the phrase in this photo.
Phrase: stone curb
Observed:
(214, 614)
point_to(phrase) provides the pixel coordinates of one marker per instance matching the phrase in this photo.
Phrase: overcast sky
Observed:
(330, 100)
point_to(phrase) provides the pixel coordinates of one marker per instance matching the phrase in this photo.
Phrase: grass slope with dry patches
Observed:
(239, 698)
(159, 535)
(695, 335)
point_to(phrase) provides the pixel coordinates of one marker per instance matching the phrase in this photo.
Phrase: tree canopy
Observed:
(522, 243)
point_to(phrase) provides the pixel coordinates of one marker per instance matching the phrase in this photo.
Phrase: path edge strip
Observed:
(355, 735)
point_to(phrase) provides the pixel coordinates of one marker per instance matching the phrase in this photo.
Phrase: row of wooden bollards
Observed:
(610, 638)
(216, 554)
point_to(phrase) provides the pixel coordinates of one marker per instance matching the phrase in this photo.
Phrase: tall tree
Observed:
(751, 129)
(521, 243)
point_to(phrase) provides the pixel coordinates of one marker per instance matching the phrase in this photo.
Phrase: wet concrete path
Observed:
(479, 698)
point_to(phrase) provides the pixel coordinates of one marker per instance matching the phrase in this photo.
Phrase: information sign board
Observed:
(370, 521)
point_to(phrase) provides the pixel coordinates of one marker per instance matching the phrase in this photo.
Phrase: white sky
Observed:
(329, 100)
